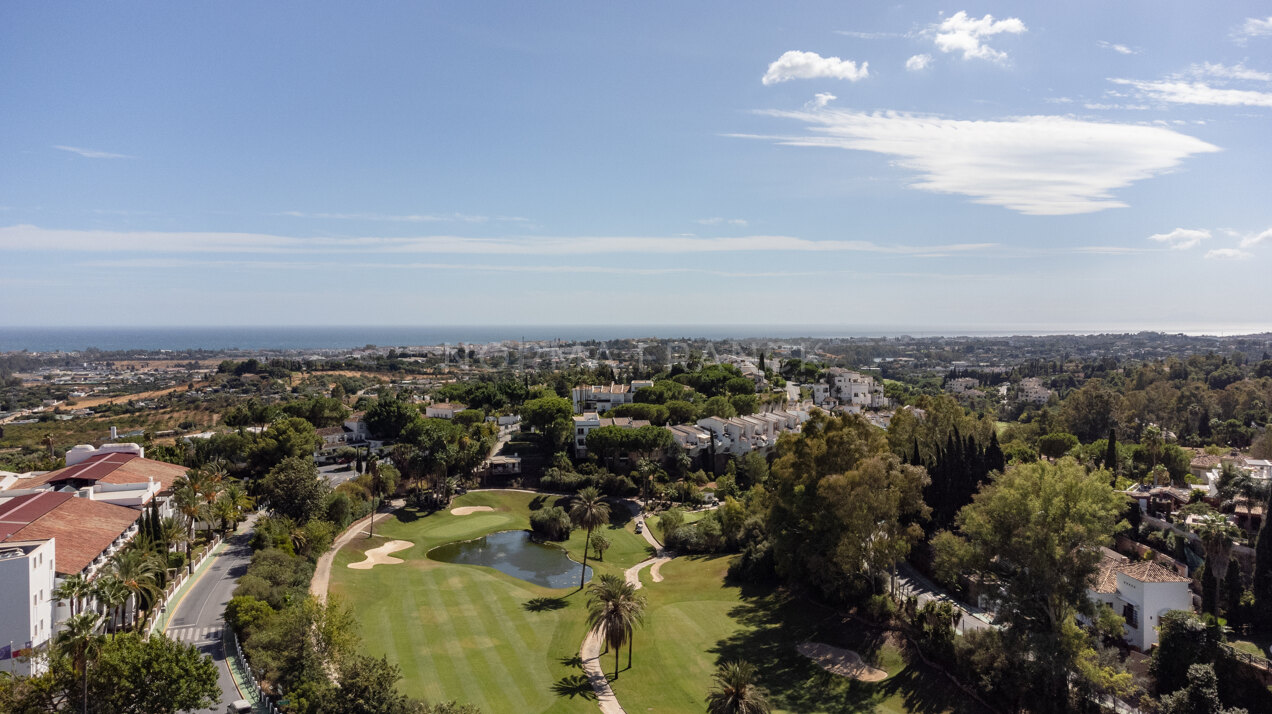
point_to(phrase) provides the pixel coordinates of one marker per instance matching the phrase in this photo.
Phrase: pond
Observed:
(514, 553)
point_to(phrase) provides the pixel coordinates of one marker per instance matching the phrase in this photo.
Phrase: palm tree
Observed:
(191, 506)
(614, 610)
(75, 589)
(588, 511)
(1216, 535)
(78, 638)
(234, 494)
(735, 691)
(139, 571)
(111, 595)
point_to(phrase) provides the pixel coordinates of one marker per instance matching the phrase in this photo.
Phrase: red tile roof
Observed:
(83, 529)
(114, 468)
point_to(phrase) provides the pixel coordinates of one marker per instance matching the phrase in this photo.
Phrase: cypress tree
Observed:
(995, 460)
(1110, 454)
(1263, 569)
(1232, 591)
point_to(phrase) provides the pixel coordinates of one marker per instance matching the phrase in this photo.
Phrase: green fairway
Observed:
(475, 635)
(696, 621)
(471, 633)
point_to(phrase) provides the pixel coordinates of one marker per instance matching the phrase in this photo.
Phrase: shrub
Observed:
(551, 523)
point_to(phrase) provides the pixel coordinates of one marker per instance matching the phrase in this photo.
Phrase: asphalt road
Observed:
(197, 618)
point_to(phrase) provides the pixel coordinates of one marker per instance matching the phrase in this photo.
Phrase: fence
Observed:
(1248, 658)
(260, 701)
(182, 576)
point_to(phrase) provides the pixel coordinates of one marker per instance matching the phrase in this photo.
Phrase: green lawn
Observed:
(655, 522)
(475, 635)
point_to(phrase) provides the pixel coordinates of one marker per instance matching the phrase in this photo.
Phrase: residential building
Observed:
(584, 424)
(600, 399)
(1031, 391)
(1141, 592)
(846, 388)
(26, 590)
(961, 385)
(444, 410)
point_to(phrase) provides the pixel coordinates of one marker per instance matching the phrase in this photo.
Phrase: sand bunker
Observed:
(380, 555)
(842, 662)
(465, 510)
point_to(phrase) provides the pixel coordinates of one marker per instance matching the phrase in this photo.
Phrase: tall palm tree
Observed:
(191, 506)
(74, 589)
(588, 511)
(78, 638)
(735, 692)
(139, 571)
(1216, 535)
(614, 610)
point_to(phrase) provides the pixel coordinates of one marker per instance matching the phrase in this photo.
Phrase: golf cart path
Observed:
(322, 571)
(591, 650)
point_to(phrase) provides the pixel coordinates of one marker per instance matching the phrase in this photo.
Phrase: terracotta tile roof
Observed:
(1145, 571)
(82, 528)
(1206, 461)
(330, 430)
(114, 468)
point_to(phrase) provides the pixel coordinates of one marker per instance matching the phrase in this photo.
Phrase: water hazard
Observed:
(513, 552)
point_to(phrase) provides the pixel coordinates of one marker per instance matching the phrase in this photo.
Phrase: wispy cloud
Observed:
(918, 63)
(27, 238)
(819, 101)
(1221, 71)
(870, 35)
(810, 65)
(1253, 27)
(718, 221)
(1120, 49)
(1038, 165)
(1181, 238)
(960, 33)
(1113, 250)
(91, 153)
(405, 218)
(1174, 92)
(1255, 239)
(1228, 254)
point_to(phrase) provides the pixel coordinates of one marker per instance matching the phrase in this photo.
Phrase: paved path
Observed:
(322, 571)
(197, 617)
(591, 650)
(910, 582)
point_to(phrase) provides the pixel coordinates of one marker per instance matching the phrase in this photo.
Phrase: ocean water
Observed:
(67, 339)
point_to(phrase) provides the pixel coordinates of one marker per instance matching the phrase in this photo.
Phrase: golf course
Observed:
(476, 635)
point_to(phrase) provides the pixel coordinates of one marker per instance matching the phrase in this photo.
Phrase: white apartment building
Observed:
(851, 390)
(26, 591)
(583, 425)
(444, 410)
(1031, 391)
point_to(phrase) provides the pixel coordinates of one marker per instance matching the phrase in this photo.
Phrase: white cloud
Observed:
(918, 62)
(29, 239)
(1175, 92)
(1038, 165)
(91, 153)
(1257, 238)
(1222, 71)
(810, 65)
(1253, 27)
(1181, 238)
(1227, 254)
(1120, 49)
(820, 100)
(405, 218)
(717, 220)
(960, 33)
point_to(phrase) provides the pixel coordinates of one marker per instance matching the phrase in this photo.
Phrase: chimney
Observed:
(114, 433)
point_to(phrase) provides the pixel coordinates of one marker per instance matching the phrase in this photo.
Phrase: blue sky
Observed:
(1065, 166)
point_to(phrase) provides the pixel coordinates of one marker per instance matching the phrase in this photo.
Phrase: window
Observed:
(1130, 615)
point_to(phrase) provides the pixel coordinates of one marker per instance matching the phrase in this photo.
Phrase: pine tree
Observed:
(995, 460)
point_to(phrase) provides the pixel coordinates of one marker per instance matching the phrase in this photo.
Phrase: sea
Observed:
(72, 339)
